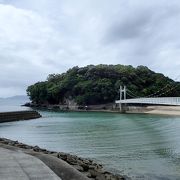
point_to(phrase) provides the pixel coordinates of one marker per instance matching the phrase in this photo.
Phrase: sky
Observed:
(41, 37)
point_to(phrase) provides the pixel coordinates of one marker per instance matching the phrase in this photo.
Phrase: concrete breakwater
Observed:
(18, 115)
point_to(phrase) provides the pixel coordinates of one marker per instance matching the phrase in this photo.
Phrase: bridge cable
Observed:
(164, 88)
(131, 94)
(168, 90)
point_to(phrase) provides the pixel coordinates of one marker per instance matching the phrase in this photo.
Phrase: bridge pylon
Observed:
(122, 93)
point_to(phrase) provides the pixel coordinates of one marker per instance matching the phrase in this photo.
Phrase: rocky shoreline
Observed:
(66, 107)
(87, 167)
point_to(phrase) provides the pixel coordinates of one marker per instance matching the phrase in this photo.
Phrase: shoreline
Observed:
(154, 110)
(86, 167)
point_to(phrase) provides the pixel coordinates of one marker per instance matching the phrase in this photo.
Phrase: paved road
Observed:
(16, 165)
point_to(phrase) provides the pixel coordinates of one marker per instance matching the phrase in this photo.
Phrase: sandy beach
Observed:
(164, 110)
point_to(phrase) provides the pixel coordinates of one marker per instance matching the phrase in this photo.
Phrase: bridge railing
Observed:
(157, 100)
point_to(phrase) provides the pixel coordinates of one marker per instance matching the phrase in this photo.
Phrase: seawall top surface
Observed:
(21, 166)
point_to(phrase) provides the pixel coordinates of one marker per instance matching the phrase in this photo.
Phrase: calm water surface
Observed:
(140, 146)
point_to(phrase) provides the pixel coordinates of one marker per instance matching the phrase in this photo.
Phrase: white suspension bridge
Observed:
(174, 101)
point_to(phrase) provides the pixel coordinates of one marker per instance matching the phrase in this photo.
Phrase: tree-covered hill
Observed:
(100, 84)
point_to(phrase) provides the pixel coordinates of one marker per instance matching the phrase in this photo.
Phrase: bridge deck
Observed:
(158, 101)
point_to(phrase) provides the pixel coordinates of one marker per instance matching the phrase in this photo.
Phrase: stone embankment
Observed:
(18, 115)
(88, 168)
(67, 107)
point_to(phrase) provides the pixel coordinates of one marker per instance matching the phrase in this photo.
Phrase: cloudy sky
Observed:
(39, 37)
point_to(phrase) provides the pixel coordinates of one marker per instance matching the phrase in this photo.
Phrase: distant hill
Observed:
(18, 100)
(100, 84)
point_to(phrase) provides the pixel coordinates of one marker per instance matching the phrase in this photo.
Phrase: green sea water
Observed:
(139, 146)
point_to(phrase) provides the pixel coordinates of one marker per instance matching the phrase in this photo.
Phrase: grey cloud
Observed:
(132, 27)
(141, 22)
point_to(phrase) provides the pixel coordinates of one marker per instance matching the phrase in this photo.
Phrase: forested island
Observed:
(99, 84)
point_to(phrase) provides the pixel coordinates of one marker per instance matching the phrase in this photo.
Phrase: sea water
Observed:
(136, 145)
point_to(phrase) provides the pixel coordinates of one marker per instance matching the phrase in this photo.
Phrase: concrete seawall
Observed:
(18, 115)
(66, 166)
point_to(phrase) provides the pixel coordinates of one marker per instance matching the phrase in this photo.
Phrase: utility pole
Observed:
(122, 92)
